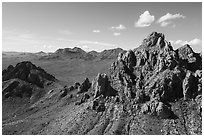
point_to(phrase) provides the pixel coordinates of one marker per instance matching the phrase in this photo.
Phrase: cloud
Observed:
(119, 27)
(196, 44)
(96, 31)
(167, 19)
(116, 34)
(18, 40)
(145, 20)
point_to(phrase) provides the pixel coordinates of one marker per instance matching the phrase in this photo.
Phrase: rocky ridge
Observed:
(152, 89)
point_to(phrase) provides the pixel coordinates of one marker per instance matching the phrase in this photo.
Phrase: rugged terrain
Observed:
(152, 89)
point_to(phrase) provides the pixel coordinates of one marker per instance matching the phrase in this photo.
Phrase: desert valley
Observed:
(150, 89)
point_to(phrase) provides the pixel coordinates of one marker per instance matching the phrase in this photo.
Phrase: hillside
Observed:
(150, 90)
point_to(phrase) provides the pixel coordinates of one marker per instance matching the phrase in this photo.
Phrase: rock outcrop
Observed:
(157, 108)
(84, 86)
(152, 89)
(28, 72)
(101, 86)
(155, 69)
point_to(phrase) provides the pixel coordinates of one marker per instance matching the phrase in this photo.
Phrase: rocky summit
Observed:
(152, 89)
(27, 71)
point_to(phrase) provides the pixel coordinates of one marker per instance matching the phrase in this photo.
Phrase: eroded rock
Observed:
(84, 86)
(27, 71)
(101, 86)
(156, 107)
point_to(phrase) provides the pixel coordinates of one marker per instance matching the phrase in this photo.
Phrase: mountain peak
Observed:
(27, 71)
(154, 39)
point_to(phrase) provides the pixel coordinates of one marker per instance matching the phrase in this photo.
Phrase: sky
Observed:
(34, 27)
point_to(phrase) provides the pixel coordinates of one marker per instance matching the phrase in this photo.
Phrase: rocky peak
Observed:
(153, 39)
(188, 58)
(150, 68)
(27, 71)
(68, 50)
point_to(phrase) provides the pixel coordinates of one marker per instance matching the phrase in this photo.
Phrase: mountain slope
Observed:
(150, 90)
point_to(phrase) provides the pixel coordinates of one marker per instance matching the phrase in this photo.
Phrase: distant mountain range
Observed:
(78, 53)
(70, 53)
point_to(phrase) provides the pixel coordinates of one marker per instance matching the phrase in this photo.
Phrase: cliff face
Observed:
(156, 70)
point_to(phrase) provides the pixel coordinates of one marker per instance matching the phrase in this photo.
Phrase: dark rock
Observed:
(98, 105)
(76, 85)
(101, 107)
(63, 93)
(17, 88)
(117, 99)
(84, 98)
(188, 58)
(28, 72)
(71, 96)
(71, 88)
(84, 86)
(95, 104)
(101, 86)
(163, 110)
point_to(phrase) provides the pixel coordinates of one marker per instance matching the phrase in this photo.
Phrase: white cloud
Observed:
(116, 34)
(96, 31)
(196, 44)
(167, 19)
(145, 20)
(119, 27)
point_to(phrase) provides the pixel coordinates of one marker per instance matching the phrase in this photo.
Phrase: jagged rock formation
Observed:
(155, 69)
(84, 86)
(156, 107)
(152, 89)
(28, 72)
(101, 86)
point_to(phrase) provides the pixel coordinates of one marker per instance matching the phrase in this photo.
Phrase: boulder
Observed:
(95, 104)
(163, 110)
(101, 107)
(84, 86)
(76, 85)
(157, 108)
(98, 105)
(63, 93)
(71, 88)
(100, 85)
